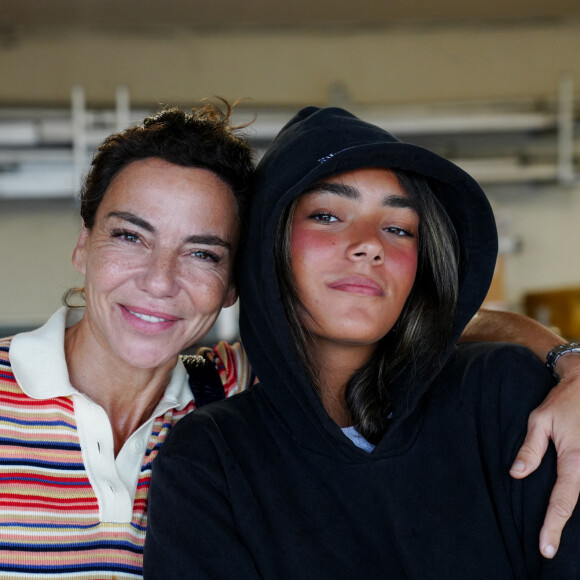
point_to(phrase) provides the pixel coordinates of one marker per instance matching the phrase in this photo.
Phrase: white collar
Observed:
(39, 364)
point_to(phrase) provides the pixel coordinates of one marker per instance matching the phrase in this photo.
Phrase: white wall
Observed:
(547, 222)
(37, 240)
(381, 66)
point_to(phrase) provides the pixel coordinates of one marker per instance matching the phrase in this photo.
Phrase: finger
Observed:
(534, 446)
(562, 503)
(559, 512)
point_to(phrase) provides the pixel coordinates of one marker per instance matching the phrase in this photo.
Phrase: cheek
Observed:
(309, 246)
(207, 290)
(310, 252)
(106, 270)
(404, 264)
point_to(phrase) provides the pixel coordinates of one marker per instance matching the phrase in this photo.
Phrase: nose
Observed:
(366, 246)
(160, 274)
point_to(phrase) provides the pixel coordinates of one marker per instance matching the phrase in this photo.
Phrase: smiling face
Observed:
(354, 257)
(158, 261)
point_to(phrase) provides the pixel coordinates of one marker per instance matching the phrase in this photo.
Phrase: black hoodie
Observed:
(266, 485)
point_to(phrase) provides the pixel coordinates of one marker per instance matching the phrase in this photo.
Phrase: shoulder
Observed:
(214, 427)
(495, 385)
(499, 365)
(499, 371)
(6, 374)
(4, 348)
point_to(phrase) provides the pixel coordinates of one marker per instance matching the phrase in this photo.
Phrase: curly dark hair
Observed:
(203, 138)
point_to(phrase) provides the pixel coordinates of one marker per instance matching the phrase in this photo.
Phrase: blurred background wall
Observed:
(490, 86)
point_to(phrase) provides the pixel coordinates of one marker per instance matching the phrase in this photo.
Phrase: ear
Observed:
(80, 253)
(231, 297)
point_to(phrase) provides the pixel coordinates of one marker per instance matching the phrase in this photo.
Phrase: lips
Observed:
(357, 285)
(140, 317)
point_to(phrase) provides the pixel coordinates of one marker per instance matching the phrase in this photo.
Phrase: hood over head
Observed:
(315, 144)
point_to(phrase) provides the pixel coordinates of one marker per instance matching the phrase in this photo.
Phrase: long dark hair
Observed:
(416, 341)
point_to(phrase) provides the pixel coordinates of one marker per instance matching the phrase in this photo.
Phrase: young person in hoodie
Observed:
(373, 446)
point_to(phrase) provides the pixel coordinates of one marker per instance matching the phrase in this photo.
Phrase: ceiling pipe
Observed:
(122, 108)
(79, 135)
(566, 130)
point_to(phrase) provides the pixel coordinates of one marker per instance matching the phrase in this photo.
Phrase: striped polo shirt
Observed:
(68, 507)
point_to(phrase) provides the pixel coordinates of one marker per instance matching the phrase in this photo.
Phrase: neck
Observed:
(128, 395)
(335, 365)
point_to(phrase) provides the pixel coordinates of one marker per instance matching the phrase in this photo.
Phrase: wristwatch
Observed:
(556, 353)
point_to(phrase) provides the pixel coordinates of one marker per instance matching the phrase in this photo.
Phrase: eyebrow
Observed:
(351, 192)
(133, 219)
(206, 240)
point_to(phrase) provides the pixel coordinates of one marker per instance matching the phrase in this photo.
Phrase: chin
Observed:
(148, 360)
(361, 337)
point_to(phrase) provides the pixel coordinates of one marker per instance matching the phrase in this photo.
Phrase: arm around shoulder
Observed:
(528, 498)
(501, 326)
(557, 418)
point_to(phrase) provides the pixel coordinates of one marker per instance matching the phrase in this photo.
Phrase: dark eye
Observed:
(126, 235)
(324, 217)
(206, 256)
(398, 231)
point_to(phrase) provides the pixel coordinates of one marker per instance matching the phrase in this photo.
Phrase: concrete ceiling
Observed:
(164, 16)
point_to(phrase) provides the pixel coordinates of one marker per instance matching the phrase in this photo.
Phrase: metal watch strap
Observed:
(557, 352)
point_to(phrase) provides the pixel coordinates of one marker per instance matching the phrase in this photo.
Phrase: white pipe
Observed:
(122, 108)
(79, 136)
(566, 129)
